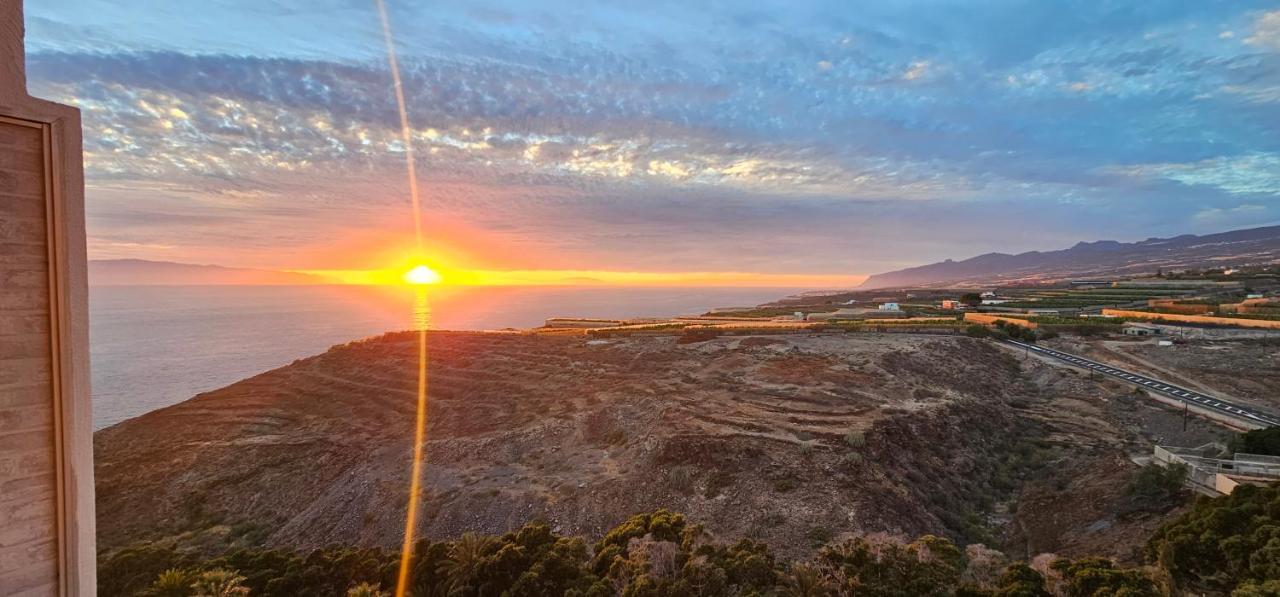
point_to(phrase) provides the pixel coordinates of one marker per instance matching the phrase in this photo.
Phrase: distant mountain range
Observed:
(140, 272)
(1101, 258)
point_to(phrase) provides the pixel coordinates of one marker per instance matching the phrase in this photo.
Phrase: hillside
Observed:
(1101, 258)
(140, 272)
(791, 440)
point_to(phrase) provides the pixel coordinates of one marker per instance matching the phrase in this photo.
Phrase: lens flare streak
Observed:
(420, 317)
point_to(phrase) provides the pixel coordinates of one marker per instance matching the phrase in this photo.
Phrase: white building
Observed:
(890, 307)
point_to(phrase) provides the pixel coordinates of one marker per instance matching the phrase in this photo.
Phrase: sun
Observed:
(422, 275)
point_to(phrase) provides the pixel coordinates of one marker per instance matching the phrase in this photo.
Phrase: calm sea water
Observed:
(153, 346)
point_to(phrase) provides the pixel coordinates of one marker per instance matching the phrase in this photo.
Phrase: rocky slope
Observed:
(788, 439)
(1102, 258)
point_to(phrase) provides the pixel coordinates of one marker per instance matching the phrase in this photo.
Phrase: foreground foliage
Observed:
(1224, 544)
(651, 554)
(1264, 441)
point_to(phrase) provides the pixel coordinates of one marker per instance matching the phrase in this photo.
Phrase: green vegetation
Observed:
(1259, 441)
(1099, 577)
(767, 312)
(1224, 544)
(1015, 331)
(1157, 488)
(632, 329)
(978, 331)
(1075, 321)
(1077, 299)
(1259, 316)
(653, 554)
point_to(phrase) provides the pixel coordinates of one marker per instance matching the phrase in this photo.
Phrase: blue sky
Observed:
(775, 137)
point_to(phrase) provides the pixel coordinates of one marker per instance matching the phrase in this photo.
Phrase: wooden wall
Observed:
(28, 483)
(46, 465)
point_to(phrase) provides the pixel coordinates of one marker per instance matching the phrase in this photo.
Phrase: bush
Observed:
(855, 439)
(1222, 543)
(1157, 488)
(1219, 546)
(978, 331)
(1089, 577)
(1259, 441)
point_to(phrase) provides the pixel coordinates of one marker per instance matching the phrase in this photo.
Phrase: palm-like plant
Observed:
(463, 565)
(365, 589)
(174, 582)
(806, 580)
(219, 583)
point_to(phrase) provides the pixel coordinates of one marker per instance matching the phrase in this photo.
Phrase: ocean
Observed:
(154, 346)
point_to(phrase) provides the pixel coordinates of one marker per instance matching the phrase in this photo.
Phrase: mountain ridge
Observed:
(1096, 258)
(144, 272)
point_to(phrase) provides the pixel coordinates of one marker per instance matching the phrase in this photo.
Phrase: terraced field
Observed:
(767, 437)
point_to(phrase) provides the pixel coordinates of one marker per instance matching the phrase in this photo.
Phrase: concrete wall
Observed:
(46, 467)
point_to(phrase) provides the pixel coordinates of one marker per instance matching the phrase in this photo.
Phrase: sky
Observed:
(788, 138)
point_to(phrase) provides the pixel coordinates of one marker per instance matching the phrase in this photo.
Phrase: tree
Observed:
(929, 566)
(971, 299)
(806, 580)
(1099, 577)
(174, 582)
(1222, 543)
(1259, 441)
(1270, 588)
(1021, 580)
(978, 331)
(219, 583)
(466, 556)
(1157, 488)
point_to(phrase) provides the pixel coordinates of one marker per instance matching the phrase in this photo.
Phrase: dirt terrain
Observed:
(792, 439)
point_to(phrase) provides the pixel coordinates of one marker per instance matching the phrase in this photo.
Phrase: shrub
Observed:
(219, 582)
(978, 331)
(681, 479)
(174, 582)
(365, 589)
(1089, 577)
(1157, 488)
(1021, 580)
(1222, 542)
(1259, 441)
(818, 536)
(855, 439)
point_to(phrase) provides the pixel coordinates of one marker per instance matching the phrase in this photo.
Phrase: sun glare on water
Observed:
(422, 275)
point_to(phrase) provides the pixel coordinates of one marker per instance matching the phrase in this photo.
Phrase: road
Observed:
(1154, 385)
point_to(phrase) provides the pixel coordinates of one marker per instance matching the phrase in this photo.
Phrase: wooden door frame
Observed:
(63, 189)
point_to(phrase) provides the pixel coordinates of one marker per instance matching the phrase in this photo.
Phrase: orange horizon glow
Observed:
(434, 274)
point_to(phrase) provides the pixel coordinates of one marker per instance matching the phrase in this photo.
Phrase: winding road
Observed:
(1154, 385)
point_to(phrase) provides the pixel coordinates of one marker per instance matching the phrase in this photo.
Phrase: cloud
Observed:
(689, 128)
(1266, 31)
(1254, 173)
(917, 70)
(1244, 215)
